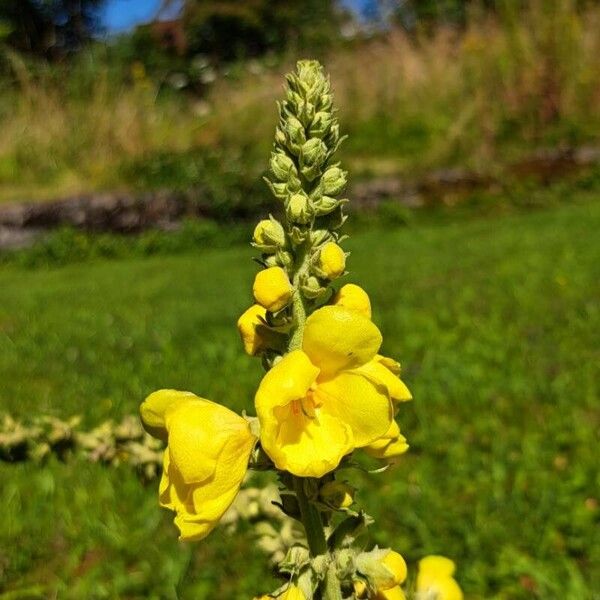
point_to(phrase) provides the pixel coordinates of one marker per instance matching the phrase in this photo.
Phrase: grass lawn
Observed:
(496, 322)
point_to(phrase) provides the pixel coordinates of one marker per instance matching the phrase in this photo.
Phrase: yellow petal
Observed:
(307, 446)
(389, 363)
(397, 565)
(198, 431)
(353, 297)
(293, 592)
(205, 463)
(395, 386)
(336, 338)
(395, 593)
(355, 400)
(290, 379)
(390, 445)
(435, 577)
(437, 566)
(154, 408)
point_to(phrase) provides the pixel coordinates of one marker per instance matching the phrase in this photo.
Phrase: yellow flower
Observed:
(353, 297)
(205, 460)
(332, 260)
(435, 579)
(272, 288)
(249, 325)
(320, 403)
(390, 445)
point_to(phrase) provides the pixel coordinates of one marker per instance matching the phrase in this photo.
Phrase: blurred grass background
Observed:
(495, 321)
(491, 304)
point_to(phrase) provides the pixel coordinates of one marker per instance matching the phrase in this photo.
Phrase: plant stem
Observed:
(311, 519)
(332, 589)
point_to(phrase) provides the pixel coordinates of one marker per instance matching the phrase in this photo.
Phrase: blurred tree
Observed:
(231, 29)
(49, 28)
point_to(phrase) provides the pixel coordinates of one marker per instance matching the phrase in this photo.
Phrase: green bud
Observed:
(279, 190)
(299, 209)
(373, 565)
(320, 124)
(333, 181)
(326, 205)
(312, 156)
(318, 237)
(294, 131)
(296, 558)
(269, 235)
(299, 234)
(312, 288)
(284, 259)
(282, 166)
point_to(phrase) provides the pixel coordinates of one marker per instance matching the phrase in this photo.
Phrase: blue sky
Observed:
(121, 15)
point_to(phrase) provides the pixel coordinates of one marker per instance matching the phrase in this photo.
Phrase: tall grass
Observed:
(476, 97)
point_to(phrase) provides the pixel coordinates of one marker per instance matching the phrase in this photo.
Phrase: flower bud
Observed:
(391, 445)
(326, 204)
(312, 155)
(269, 235)
(299, 210)
(332, 260)
(312, 288)
(249, 328)
(337, 494)
(320, 124)
(295, 131)
(353, 297)
(282, 166)
(334, 180)
(272, 289)
(384, 568)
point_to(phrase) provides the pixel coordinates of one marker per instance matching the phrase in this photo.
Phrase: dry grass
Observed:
(475, 97)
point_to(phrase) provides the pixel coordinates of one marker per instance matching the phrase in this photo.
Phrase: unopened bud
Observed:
(385, 569)
(326, 205)
(334, 181)
(314, 152)
(312, 288)
(269, 235)
(299, 210)
(295, 131)
(272, 289)
(320, 124)
(332, 260)
(282, 166)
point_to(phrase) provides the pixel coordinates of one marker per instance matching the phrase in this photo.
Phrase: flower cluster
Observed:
(328, 392)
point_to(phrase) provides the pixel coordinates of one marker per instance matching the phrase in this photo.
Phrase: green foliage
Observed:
(495, 321)
(236, 29)
(48, 28)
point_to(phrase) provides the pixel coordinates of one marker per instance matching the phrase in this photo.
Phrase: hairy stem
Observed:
(311, 519)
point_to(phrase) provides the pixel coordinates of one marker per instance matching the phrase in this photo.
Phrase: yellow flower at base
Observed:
(391, 445)
(293, 592)
(332, 260)
(435, 579)
(272, 289)
(249, 327)
(318, 404)
(208, 448)
(353, 297)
